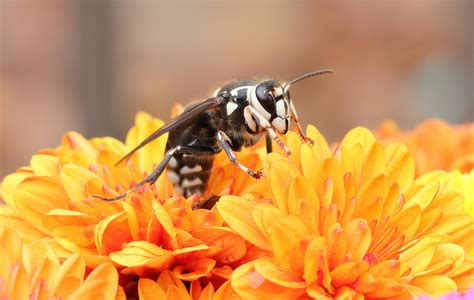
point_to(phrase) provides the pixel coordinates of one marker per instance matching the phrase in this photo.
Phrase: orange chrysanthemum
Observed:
(150, 231)
(34, 272)
(352, 224)
(435, 144)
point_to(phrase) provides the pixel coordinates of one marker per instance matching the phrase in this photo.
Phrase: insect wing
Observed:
(179, 121)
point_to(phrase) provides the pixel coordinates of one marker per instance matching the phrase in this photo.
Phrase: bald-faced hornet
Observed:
(237, 116)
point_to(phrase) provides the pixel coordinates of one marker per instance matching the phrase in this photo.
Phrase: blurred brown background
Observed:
(90, 65)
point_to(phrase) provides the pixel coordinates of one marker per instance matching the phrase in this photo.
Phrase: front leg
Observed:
(268, 127)
(294, 117)
(223, 141)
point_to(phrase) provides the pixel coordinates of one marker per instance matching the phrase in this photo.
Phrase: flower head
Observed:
(353, 223)
(34, 272)
(148, 232)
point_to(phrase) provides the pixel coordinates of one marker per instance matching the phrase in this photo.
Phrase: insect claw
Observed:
(308, 140)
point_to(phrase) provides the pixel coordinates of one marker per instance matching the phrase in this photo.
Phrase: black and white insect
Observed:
(237, 116)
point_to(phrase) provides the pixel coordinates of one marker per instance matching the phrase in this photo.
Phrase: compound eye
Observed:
(265, 97)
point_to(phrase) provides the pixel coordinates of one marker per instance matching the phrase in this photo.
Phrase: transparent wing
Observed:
(179, 121)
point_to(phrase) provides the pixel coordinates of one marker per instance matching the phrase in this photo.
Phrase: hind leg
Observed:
(153, 177)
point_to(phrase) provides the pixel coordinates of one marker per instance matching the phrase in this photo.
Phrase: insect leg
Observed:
(268, 127)
(268, 143)
(161, 167)
(294, 117)
(222, 138)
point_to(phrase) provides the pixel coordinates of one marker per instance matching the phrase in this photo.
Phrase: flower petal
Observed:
(236, 212)
(74, 179)
(46, 194)
(272, 272)
(435, 285)
(102, 283)
(194, 269)
(140, 253)
(150, 290)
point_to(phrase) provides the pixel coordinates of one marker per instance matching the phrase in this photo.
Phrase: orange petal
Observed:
(435, 285)
(400, 165)
(45, 165)
(301, 190)
(236, 212)
(359, 136)
(286, 231)
(320, 147)
(374, 163)
(388, 268)
(264, 215)
(281, 176)
(176, 293)
(337, 246)
(249, 284)
(359, 238)
(370, 192)
(102, 283)
(18, 283)
(315, 291)
(346, 274)
(10, 219)
(311, 161)
(132, 219)
(420, 254)
(407, 221)
(150, 290)
(194, 269)
(195, 289)
(423, 196)
(45, 193)
(165, 221)
(231, 246)
(73, 267)
(166, 280)
(152, 154)
(207, 293)
(79, 235)
(315, 262)
(226, 292)
(330, 184)
(77, 142)
(293, 142)
(140, 253)
(101, 238)
(9, 184)
(385, 287)
(296, 255)
(13, 245)
(447, 257)
(61, 217)
(274, 273)
(74, 180)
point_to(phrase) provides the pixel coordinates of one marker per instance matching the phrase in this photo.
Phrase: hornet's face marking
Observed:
(270, 100)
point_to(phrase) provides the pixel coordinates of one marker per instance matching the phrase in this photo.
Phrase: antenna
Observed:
(308, 75)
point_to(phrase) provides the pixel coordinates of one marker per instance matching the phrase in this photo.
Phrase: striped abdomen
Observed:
(190, 173)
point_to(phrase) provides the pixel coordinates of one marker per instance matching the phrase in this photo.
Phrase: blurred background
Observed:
(91, 65)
